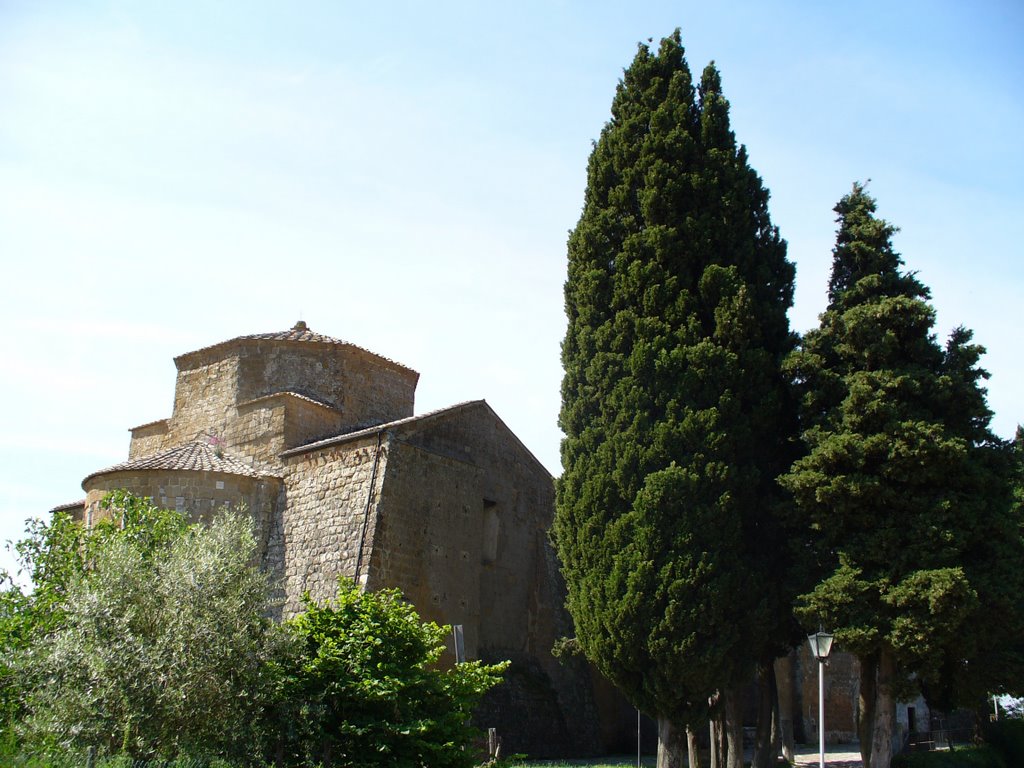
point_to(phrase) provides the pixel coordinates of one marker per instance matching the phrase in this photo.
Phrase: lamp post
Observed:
(821, 644)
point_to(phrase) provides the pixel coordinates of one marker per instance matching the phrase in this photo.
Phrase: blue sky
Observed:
(404, 176)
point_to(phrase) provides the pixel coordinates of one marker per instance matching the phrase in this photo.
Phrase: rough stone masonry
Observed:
(317, 438)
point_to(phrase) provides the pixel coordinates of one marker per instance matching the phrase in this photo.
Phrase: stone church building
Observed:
(317, 439)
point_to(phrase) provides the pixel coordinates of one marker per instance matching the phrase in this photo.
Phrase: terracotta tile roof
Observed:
(299, 332)
(196, 456)
(69, 507)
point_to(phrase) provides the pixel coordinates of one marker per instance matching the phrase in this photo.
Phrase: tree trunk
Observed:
(733, 719)
(776, 739)
(671, 745)
(885, 710)
(715, 733)
(786, 686)
(866, 706)
(763, 755)
(692, 748)
(717, 756)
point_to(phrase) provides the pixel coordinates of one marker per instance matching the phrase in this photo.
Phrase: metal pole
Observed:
(821, 711)
(638, 738)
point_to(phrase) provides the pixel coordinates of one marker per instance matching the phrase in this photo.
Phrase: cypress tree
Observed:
(903, 487)
(674, 407)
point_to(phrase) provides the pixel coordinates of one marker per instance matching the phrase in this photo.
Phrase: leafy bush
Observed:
(364, 688)
(145, 637)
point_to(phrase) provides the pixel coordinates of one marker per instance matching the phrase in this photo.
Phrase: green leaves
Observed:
(674, 408)
(365, 689)
(146, 636)
(159, 623)
(903, 483)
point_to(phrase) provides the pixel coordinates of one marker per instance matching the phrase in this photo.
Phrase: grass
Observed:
(967, 757)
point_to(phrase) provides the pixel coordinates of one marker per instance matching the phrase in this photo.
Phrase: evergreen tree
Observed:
(903, 487)
(673, 403)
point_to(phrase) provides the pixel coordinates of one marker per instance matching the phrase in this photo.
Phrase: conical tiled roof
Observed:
(299, 332)
(196, 456)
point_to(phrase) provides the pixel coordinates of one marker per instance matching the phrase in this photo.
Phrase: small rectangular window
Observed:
(491, 528)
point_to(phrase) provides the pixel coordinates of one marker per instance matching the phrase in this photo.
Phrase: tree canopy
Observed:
(674, 407)
(903, 487)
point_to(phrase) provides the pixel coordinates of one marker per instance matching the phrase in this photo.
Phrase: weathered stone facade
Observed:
(317, 438)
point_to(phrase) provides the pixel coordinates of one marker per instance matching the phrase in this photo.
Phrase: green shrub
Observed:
(145, 636)
(363, 688)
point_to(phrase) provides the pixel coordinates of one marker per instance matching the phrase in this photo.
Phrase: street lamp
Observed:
(821, 644)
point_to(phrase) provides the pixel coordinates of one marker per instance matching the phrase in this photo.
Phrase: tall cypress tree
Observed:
(673, 403)
(903, 484)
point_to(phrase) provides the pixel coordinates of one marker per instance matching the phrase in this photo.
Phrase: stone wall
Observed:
(842, 687)
(316, 540)
(257, 430)
(267, 426)
(306, 421)
(225, 390)
(196, 493)
(427, 538)
(204, 401)
(462, 529)
(367, 388)
(148, 439)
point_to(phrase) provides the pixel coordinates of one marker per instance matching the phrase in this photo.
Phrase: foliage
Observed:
(81, 760)
(904, 487)
(673, 404)
(364, 689)
(146, 638)
(144, 630)
(982, 756)
(53, 556)
(1007, 738)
